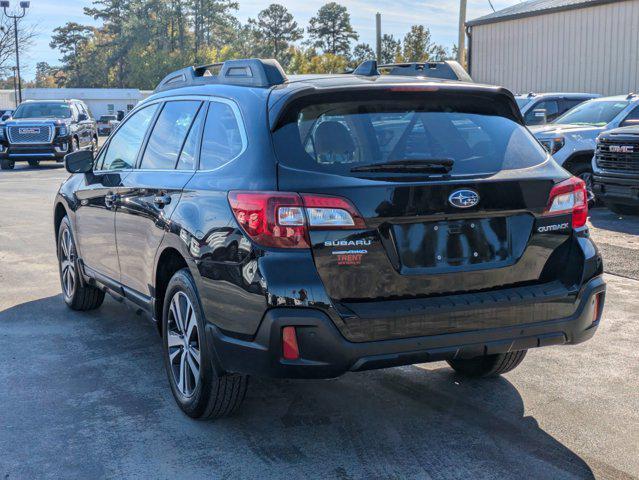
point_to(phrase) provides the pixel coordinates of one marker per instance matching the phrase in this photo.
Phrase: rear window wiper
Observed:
(430, 165)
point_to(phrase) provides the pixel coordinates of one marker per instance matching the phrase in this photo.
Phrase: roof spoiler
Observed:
(443, 70)
(252, 72)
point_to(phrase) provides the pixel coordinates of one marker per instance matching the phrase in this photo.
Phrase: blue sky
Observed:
(397, 17)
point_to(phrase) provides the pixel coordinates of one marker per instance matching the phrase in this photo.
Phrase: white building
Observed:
(558, 46)
(101, 101)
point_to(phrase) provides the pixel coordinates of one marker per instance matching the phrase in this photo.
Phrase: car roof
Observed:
(557, 94)
(67, 100)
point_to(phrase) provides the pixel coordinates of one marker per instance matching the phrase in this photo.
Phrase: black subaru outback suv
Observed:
(41, 130)
(616, 170)
(304, 227)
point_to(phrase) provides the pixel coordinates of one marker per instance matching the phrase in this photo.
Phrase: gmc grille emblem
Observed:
(621, 148)
(28, 131)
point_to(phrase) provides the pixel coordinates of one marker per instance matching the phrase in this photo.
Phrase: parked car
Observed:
(308, 226)
(616, 169)
(46, 130)
(571, 138)
(541, 108)
(104, 124)
(5, 114)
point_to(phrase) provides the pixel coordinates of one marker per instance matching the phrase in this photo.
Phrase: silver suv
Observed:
(571, 138)
(541, 108)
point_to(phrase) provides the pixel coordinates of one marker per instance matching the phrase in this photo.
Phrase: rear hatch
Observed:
(451, 187)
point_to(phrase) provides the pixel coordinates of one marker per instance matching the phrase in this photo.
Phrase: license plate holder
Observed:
(453, 243)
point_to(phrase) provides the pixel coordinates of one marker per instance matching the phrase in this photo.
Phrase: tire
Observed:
(488, 365)
(77, 296)
(7, 164)
(585, 173)
(197, 387)
(34, 163)
(622, 209)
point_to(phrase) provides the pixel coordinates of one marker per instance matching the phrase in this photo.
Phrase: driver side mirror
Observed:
(5, 118)
(82, 117)
(79, 162)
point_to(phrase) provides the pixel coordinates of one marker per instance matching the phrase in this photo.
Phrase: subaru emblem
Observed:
(464, 198)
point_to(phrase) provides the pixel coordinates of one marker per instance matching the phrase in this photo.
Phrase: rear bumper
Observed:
(326, 353)
(622, 190)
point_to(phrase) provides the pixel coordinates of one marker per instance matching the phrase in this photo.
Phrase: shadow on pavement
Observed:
(25, 167)
(85, 395)
(606, 220)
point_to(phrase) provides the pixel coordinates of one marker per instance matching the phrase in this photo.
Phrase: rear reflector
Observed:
(569, 196)
(597, 307)
(283, 220)
(290, 349)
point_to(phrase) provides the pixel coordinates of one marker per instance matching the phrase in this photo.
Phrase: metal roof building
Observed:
(558, 45)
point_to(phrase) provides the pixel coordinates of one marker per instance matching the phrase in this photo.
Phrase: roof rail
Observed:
(445, 69)
(251, 72)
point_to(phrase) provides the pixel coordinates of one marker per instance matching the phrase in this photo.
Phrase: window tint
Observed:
(188, 158)
(569, 103)
(632, 118)
(337, 137)
(168, 135)
(594, 112)
(124, 145)
(536, 117)
(222, 139)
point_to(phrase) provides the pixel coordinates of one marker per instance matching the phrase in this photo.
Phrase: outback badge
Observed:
(463, 198)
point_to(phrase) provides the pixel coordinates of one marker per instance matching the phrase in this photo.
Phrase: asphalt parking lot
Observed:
(84, 395)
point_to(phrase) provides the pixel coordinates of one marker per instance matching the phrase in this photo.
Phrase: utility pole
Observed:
(24, 5)
(461, 43)
(378, 37)
(15, 87)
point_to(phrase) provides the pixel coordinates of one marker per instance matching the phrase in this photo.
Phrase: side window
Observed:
(632, 119)
(74, 111)
(168, 135)
(124, 145)
(188, 157)
(222, 140)
(569, 103)
(534, 117)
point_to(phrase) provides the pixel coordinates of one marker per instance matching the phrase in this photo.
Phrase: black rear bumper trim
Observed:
(326, 353)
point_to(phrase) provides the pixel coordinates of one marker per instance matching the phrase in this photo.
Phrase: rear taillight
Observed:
(569, 196)
(282, 219)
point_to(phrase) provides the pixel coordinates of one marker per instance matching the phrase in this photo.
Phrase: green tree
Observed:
(391, 49)
(71, 40)
(361, 53)
(331, 29)
(276, 29)
(418, 46)
(214, 24)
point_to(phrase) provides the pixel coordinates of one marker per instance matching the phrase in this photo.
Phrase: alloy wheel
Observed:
(67, 264)
(183, 342)
(587, 178)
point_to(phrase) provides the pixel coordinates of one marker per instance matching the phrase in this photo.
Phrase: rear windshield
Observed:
(337, 137)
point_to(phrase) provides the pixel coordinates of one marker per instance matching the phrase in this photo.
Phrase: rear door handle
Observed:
(110, 199)
(162, 200)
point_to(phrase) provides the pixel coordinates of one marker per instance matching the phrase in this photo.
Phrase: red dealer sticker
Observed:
(350, 257)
